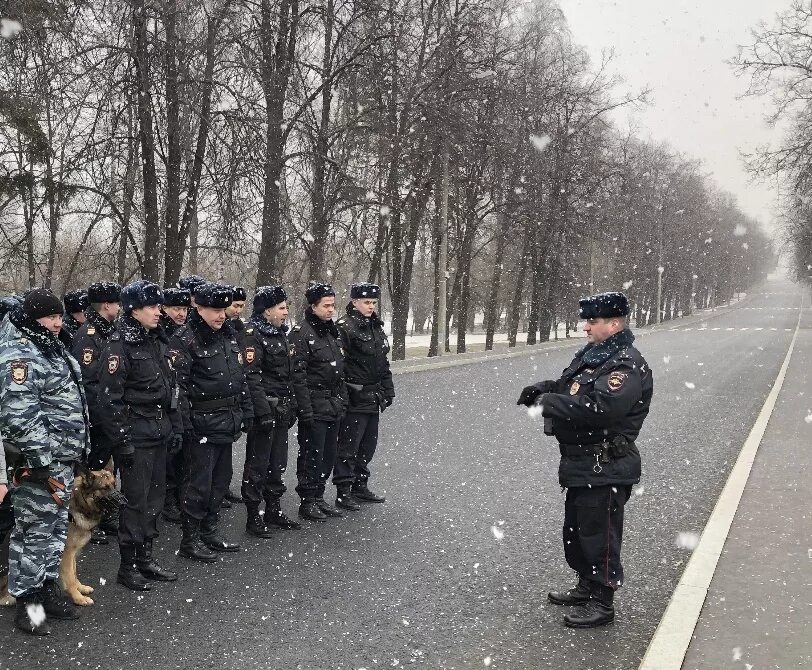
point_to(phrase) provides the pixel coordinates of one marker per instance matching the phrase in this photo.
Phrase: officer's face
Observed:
(325, 308)
(109, 310)
(148, 316)
(215, 318)
(234, 310)
(79, 316)
(598, 330)
(278, 314)
(53, 323)
(177, 314)
(366, 306)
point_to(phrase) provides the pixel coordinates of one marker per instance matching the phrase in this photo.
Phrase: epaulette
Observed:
(296, 329)
(342, 321)
(115, 337)
(249, 331)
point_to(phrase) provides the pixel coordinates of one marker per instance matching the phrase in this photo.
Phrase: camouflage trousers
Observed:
(40, 530)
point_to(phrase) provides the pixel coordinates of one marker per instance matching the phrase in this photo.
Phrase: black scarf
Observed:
(322, 328)
(598, 354)
(48, 343)
(204, 332)
(102, 325)
(266, 327)
(362, 320)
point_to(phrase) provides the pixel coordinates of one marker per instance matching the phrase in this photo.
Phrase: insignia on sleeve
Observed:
(87, 356)
(616, 380)
(292, 349)
(250, 354)
(574, 388)
(173, 355)
(91, 330)
(19, 372)
(112, 364)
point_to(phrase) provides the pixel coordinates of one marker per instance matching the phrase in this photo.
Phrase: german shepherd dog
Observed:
(94, 492)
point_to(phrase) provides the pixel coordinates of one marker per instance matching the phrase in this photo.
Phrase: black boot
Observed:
(98, 536)
(598, 611)
(274, 516)
(360, 491)
(149, 567)
(191, 546)
(171, 511)
(31, 617)
(56, 603)
(578, 595)
(128, 574)
(212, 539)
(310, 510)
(345, 500)
(254, 525)
(327, 508)
(233, 497)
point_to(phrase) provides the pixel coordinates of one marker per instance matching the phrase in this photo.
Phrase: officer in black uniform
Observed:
(190, 283)
(233, 312)
(215, 405)
(139, 413)
(321, 398)
(596, 410)
(371, 391)
(175, 311)
(76, 302)
(269, 367)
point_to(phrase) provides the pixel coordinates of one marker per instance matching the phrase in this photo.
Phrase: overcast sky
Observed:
(679, 49)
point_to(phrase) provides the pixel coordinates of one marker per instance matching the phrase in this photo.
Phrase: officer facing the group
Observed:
(321, 396)
(269, 367)
(371, 391)
(76, 302)
(177, 302)
(596, 410)
(215, 405)
(45, 424)
(139, 414)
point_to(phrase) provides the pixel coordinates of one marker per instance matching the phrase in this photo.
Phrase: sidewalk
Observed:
(758, 609)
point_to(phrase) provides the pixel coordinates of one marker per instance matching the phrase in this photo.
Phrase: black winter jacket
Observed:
(87, 346)
(269, 365)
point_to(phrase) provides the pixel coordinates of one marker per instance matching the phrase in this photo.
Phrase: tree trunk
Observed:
(173, 249)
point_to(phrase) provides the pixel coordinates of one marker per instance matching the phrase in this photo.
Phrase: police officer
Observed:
(190, 283)
(370, 389)
(596, 410)
(175, 309)
(215, 405)
(321, 397)
(44, 420)
(233, 313)
(139, 415)
(269, 367)
(76, 302)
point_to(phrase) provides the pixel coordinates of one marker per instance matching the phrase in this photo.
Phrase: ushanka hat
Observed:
(76, 301)
(191, 283)
(177, 297)
(104, 291)
(268, 296)
(217, 296)
(316, 292)
(363, 290)
(604, 305)
(240, 293)
(140, 293)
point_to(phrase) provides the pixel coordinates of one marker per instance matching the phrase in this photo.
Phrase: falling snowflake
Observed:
(486, 661)
(666, 359)
(740, 230)
(808, 418)
(9, 28)
(690, 385)
(102, 581)
(204, 439)
(540, 142)
(627, 285)
(534, 411)
(737, 653)
(498, 533)
(687, 540)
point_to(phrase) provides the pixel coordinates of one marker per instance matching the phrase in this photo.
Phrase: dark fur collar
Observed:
(132, 332)
(362, 320)
(266, 327)
(103, 326)
(205, 333)
(42, 338)
(598, 354)
(322, 328)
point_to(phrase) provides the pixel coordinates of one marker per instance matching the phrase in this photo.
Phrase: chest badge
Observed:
(91, 330)
(574, 388)
(112, 364)
(19, 372)
(250, 354)
(87, 356)
(616, 381)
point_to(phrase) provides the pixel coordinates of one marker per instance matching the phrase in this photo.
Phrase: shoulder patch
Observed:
(292, 349)
(616, 380)
(19, 372)
(173, 355)
(250, 354)
(87, 356)
(91, 330)
(112, 363)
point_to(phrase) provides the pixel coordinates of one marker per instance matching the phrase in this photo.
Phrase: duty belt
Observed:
(149, 411)
(213, 405)
(324, 393)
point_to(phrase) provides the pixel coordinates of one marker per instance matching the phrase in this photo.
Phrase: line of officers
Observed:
(170, 378)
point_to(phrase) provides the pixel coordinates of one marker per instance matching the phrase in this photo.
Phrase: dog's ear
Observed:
(81, 470)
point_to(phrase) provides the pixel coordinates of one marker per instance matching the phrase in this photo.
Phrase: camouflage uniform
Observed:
(44, 417)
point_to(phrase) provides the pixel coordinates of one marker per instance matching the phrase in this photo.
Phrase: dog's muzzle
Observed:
(112, 501)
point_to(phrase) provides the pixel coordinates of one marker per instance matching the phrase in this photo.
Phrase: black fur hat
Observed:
(239, 293)
(317, 291)
(140, 293)
(40, 302)
(76, 301)
(365, 290)
(604, 305)
(218, 296)
(104, 291)
(177, 297)
(191, 283)
(268, 296)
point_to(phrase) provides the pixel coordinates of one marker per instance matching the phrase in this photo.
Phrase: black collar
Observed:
(42, 338)
(102, 325)
(204, 332)
(362, 320)
(322, 328)
(132, 332)
(598, 354)
(265, 327)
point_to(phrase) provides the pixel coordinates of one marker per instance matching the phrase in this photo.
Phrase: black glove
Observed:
(266, 421)
(247, 424)
(531, 393)
(126, 461)
(388, 401)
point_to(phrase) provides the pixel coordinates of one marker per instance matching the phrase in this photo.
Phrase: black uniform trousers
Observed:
(266, 459)
(144, 486)
(317, 455)
(101, 449)
(175, 467)
(357, 441)
(208, 474)
(593, 532)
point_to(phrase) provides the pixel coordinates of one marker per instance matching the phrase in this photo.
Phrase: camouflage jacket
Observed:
(43, 412)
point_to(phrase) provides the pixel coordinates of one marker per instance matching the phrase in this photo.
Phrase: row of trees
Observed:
(260, 141)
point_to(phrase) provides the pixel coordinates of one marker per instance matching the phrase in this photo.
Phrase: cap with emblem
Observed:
(268, 296)
(140, 293)
(177, 297)
(40, 302)
(191, 283)
(604, 305)
(217, 296)
(363, 290)
(104, 291)
(316, 291)
(76, 301)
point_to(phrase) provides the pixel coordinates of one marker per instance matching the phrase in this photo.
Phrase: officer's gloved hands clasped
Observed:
(266, 421)
(530, 394)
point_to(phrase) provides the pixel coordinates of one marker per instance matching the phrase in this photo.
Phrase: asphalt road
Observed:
(423, 580)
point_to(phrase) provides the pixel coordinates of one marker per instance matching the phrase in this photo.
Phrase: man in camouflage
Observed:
(45, 424)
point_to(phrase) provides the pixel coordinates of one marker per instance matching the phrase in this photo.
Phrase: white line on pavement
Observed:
(667, 648)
